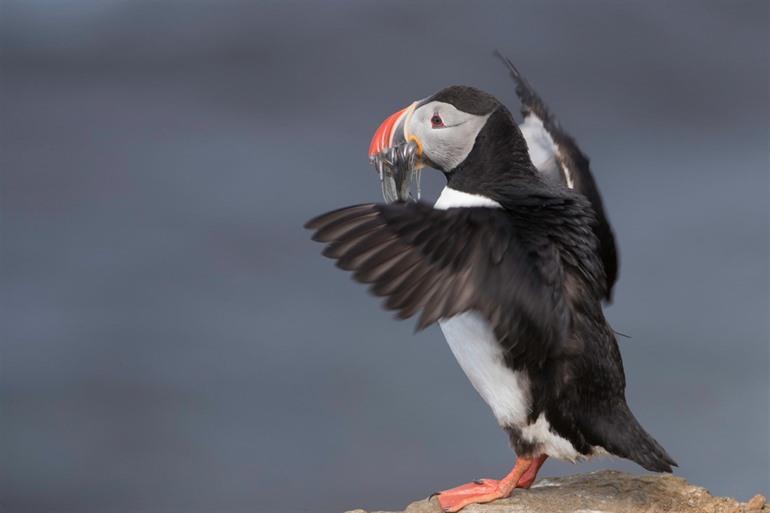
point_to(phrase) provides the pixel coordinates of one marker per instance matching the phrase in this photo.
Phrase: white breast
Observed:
(451, 198)
(472, 341)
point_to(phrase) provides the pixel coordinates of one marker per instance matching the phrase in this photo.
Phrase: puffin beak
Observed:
(396, 156)
(384, 136)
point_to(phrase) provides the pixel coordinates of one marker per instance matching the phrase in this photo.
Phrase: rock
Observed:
(606, 492)
(757, 503)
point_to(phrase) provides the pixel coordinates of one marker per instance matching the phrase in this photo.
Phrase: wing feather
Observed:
(439, 263)
(574, 169)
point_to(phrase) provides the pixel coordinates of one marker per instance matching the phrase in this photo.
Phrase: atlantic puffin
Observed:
(508, 263)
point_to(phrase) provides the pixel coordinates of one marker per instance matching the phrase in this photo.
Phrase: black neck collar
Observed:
(499, 159)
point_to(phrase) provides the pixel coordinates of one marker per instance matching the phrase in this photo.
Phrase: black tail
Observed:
(622, 435)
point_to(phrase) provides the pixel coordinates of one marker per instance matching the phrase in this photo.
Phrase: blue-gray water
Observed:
(174, 342)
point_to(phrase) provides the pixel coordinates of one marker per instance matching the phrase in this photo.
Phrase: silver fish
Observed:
(398, 171)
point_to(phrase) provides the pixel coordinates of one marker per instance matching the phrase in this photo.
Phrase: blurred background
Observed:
(173, 341)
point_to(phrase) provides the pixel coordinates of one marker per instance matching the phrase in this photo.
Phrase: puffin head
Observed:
(460, 131)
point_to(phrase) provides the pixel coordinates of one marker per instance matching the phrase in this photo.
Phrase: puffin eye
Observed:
(436, 121)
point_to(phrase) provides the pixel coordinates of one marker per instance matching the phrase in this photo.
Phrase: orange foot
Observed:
(487, 490)
(528, 477)
(483, 490)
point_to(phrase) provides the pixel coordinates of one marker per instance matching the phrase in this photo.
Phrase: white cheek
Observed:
(450, 146)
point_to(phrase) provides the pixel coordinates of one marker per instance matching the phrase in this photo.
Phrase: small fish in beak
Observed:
(398, 171)
(396, 159)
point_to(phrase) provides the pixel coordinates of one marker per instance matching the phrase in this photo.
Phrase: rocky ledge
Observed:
(606, 492)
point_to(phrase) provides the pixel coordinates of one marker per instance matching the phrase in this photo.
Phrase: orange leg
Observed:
(529, 476)
(485, 490)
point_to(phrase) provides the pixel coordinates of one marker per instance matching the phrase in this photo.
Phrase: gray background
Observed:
(172, 340)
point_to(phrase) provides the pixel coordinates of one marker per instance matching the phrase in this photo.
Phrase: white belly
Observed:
(473, 343)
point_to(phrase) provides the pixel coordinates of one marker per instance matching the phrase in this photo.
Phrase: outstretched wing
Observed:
(440, 263)
(556, 154)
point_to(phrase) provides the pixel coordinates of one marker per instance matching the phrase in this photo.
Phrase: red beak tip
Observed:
(384, 134)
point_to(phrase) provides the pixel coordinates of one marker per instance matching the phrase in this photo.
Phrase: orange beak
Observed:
(384, 136)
